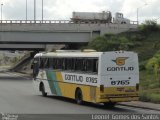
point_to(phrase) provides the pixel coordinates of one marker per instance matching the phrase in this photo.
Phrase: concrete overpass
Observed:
(19, 34)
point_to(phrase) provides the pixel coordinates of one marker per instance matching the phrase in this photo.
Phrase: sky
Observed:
(62, 9)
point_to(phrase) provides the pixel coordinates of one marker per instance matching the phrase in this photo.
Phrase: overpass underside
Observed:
(21, 35)
(39, 40)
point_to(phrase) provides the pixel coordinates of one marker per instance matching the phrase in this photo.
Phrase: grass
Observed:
(149, 87)
(150, 95)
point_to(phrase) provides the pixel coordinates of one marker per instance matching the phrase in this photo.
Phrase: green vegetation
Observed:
(150, 96)
(146, 42)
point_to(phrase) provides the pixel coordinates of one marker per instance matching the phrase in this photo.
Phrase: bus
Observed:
(97, 77)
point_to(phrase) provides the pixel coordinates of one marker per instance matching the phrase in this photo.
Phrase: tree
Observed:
(149, 26)
(110, 42)
(153, 65)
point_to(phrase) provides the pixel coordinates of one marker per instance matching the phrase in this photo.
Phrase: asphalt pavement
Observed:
(17, 96)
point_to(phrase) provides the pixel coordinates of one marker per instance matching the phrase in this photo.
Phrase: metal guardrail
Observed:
(33, 21)
(50, 22)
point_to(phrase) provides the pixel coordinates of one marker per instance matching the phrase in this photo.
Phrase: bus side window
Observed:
(68, 64)
(59, 63)
(63, 64)
(83, 67)
(89, 65)
(74, 64)
(95, 65)
(41, 63)
(78, 64)
(50, 63)
(54, 63)
(46, 63)
(35, 67)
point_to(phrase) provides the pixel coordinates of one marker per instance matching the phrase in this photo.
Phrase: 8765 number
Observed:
(120, 82)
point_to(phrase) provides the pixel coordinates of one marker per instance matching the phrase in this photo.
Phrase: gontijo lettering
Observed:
(120, 68)
(74, 78)
(79, 78)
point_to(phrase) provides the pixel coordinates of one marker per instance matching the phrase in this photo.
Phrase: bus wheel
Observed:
(109, 104)
(79, 96)
(42, 89)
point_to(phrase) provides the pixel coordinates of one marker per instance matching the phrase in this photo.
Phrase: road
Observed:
(17, 96)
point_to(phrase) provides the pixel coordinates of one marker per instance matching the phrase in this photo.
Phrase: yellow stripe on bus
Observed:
(59, 76)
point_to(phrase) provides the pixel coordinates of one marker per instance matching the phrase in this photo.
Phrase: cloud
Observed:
(62, 9)
(147, 10)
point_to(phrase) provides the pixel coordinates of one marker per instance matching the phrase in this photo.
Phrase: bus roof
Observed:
(75, 54)
(69, 54)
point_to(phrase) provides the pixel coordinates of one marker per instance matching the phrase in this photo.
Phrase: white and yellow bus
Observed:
(98, 77)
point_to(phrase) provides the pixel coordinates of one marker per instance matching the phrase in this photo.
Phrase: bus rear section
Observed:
(119, 77)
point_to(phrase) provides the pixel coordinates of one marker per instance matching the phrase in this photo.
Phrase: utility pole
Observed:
(42, 11)
(26, 11)
(137, 16)
(138, 12)
(1, 12)
(35, 10)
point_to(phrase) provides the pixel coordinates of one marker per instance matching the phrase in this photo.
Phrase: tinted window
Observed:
(74, 64)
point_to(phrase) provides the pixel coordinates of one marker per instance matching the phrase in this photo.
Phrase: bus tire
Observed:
(79, 96)
(42, 89)
(109, 104)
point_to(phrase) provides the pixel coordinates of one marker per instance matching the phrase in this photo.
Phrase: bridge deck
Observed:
(46, 32)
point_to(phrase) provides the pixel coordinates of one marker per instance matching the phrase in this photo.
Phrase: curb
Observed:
(22, 75)
(136, 106)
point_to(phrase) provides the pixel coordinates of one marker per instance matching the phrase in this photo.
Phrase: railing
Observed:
(33, 21)
(51, 22)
